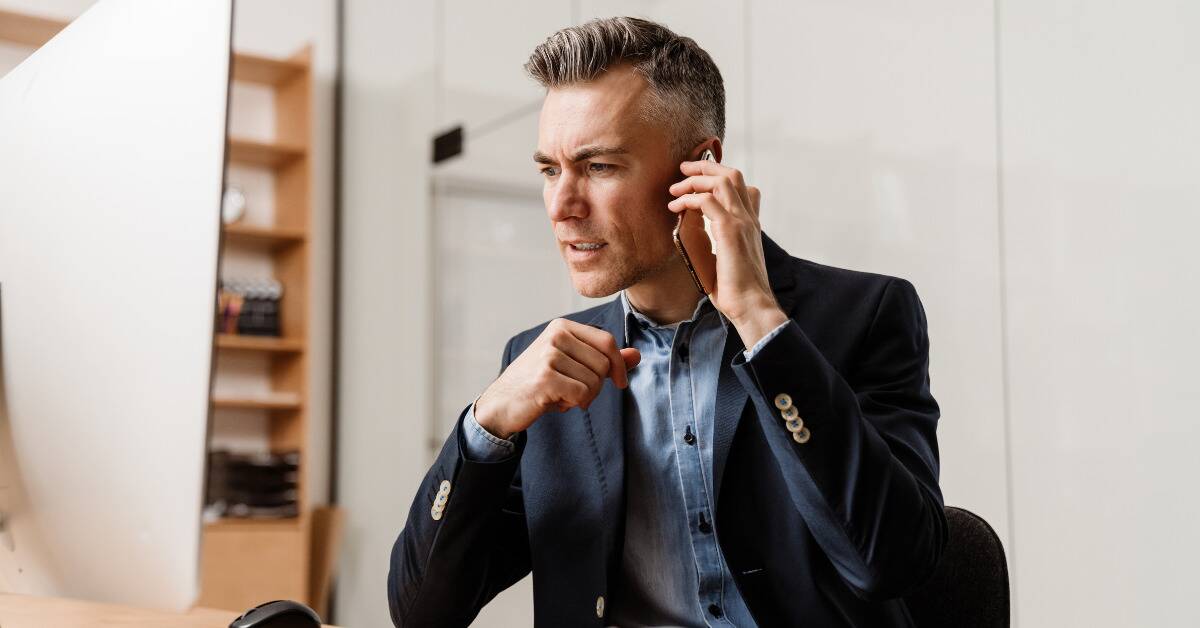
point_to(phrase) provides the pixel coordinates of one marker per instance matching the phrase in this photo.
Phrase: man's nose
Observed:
(566, 198)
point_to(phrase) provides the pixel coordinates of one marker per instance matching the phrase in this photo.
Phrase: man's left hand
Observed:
(743, 293)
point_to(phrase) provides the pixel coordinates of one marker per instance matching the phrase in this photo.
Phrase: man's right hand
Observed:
(565, 367)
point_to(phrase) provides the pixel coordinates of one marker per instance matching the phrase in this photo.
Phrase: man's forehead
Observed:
(579, 138)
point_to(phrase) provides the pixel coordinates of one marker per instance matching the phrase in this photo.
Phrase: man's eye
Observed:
(549, 172)
(597, 167)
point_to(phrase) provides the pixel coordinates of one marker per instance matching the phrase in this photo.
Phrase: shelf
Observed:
(265, 70)
(234, 523)
(270, 237)
(263, 154)
(267, 344)
(278, 401)
(28, 30)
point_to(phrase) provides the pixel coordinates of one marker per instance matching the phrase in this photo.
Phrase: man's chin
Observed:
(596, 285)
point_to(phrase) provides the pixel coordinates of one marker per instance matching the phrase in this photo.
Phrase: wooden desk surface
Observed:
(28, 611)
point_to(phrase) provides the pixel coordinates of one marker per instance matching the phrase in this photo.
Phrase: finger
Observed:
(725, 189)
(755, 199)
(568, 392)
(712, 168)
(704, 167)
(705, 202)
(582, 352)
(605, 343)
(695, 183)
(577, 371)
(632, 356)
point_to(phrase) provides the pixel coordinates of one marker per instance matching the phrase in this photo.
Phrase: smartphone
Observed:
(696, 245)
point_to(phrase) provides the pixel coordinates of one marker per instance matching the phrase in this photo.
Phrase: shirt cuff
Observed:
(752, 351)
(482, 445)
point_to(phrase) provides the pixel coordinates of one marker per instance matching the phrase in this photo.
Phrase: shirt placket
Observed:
(689, 453)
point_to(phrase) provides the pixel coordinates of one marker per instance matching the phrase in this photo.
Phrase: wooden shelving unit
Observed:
(270, 402)
(259, 343)
(270, 237)
(263, 154)
(247, 562)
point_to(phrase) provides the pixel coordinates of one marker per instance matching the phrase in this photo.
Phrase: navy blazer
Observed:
(831, 532)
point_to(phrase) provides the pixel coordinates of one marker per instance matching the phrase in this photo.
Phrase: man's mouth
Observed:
(588, 246)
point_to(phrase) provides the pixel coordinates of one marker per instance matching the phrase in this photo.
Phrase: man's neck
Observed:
(667, 298)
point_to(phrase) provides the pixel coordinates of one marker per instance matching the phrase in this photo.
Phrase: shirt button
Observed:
(715, 611)
(704, 526)
(689, 437)
(600, 606)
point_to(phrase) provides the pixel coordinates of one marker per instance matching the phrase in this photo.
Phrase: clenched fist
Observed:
(565, 367)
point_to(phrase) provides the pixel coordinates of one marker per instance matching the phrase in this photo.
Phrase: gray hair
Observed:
(686, 89)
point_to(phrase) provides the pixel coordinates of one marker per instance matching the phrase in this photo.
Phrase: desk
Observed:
(29, 611)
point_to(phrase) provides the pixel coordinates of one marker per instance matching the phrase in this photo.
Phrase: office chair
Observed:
(969, 587)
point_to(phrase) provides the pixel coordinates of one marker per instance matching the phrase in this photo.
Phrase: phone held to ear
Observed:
(696, 244)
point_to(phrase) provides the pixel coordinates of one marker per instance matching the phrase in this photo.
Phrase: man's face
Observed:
(607, 172)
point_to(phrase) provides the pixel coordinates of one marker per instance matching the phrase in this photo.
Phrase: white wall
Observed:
(384, 382)
(1101, 151)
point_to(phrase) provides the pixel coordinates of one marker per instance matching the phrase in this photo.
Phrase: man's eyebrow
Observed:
(587, 152)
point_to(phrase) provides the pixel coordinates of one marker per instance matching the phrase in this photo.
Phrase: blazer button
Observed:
(802, 436)
(439, 502)
(783, 401)
(600, 607)
(795, 425)
(790, 413)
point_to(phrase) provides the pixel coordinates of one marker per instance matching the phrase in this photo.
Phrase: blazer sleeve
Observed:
(866, 481)
(444, 570)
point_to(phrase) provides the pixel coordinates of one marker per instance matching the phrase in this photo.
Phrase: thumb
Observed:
(632, 357)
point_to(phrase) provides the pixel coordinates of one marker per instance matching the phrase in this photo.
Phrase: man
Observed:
(764, 455)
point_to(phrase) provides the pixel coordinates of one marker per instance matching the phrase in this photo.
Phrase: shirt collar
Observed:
(703, 307)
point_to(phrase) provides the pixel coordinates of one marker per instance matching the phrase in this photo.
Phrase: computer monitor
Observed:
(112, 153)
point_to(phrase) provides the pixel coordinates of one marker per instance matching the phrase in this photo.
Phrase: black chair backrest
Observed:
(969, 587)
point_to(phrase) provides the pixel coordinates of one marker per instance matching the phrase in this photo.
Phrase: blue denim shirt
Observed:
(673, 572)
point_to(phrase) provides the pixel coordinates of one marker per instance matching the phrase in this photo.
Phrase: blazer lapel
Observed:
(731, 401)
(731, 396)
(605, 423)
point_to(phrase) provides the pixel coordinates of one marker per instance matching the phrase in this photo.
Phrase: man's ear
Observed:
(716, 148)
(712, 143)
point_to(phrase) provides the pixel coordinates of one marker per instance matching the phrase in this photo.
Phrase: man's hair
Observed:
(686, 90)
